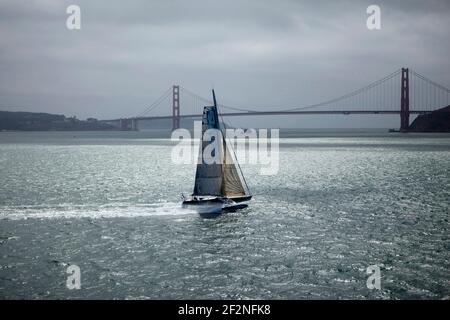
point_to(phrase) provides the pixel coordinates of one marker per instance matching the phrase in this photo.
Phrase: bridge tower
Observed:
(128, 124)
(134, 124)
(175, 107)
(404, 101)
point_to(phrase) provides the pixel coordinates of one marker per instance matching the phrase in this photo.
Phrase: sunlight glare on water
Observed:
(111, 205)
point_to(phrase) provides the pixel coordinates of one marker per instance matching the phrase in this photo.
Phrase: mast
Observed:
(214, 98)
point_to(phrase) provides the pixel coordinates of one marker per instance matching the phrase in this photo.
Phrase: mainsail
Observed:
(220, 178)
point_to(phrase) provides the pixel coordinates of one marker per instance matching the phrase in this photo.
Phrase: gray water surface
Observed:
(109, 203)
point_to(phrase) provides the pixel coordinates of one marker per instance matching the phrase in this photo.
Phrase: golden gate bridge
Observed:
(402, 92)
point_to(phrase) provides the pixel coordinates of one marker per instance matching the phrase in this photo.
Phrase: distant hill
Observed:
(436, 121)
(33, 121)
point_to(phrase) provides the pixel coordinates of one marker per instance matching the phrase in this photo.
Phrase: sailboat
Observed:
(219, 186)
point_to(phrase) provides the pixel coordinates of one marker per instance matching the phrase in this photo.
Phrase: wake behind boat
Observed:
(219, 184)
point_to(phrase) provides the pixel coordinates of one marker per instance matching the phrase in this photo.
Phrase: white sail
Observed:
(208, 177)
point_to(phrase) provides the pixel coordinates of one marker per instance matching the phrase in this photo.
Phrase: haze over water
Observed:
(109, 202)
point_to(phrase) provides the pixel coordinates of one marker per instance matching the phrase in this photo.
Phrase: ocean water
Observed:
(109, 203)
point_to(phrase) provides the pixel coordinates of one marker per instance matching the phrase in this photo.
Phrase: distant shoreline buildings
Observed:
(33, 121)
(435, 121)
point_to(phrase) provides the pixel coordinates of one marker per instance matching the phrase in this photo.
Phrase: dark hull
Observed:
(216, 205)
(216, 200)
(235, 207)
(202, 201)
(241, 199)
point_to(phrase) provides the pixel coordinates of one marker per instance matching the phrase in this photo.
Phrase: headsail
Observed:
(221, 178)
(231, 183)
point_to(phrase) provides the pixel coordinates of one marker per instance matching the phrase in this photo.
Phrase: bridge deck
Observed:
(280, 113)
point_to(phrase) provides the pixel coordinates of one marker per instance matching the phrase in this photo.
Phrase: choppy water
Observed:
(109, 203)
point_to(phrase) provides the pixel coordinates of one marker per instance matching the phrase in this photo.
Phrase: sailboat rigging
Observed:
(219, 183)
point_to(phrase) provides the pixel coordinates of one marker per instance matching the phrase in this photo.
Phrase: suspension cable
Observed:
(211, 102)
(429, 81)
(351, 94)
(156, 103)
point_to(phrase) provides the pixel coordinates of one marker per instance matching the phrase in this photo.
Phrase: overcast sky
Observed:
(267, 54)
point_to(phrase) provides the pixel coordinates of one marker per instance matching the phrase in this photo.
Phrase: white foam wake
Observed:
(68, 211)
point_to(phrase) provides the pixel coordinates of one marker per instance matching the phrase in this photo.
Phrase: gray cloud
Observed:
(273, 54)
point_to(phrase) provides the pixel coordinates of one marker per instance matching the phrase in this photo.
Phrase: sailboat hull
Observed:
(210, 205)
(216, 204)
(241, 198)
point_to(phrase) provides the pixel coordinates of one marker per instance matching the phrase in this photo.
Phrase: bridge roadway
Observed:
(280, 113)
